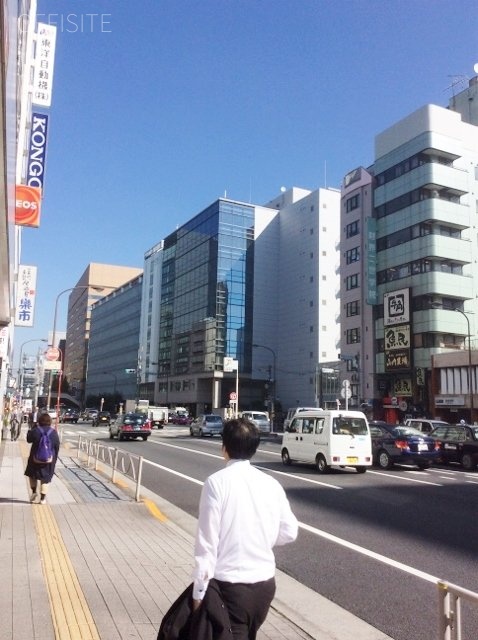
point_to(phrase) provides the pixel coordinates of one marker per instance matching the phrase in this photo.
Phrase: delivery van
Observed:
(328, 438)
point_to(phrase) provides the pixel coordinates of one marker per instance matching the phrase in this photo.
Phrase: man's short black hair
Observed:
(240, 438)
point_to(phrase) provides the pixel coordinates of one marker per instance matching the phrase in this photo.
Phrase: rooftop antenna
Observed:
(457, 81)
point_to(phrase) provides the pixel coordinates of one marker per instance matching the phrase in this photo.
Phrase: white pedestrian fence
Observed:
(450, 599)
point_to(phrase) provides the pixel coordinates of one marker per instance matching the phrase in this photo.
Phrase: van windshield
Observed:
(349, 426)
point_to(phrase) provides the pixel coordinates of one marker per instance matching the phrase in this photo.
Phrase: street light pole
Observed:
(53, 339)
(471, 385)
(263, 346)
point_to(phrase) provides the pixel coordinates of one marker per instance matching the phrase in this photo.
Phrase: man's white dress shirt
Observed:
(243, 514)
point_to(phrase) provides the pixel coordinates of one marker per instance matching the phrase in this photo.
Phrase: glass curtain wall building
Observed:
(206, 304)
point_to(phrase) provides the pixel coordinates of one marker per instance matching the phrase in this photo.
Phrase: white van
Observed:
(328, 438)
(294, 411)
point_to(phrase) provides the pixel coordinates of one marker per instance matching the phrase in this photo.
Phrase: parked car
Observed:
(401, 444)
(260, 419)
(458, 443)
(131, 426)
(424, 424)
(182, 420)
(207, 425)
(102, 417)
(70, 415)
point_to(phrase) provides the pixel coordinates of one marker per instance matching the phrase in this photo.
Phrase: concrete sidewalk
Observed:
(92, 564)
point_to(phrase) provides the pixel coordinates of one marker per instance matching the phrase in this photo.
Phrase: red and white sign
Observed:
(233, 396)
(52, 353)
(27, 205)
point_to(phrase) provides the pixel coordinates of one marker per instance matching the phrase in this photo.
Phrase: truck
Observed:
(158, 415)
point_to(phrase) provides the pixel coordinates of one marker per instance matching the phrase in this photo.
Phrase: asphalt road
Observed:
(374, 543)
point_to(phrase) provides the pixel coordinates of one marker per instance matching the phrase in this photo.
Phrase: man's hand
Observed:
(196, 604)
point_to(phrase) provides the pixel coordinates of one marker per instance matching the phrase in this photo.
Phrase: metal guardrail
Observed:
(131, 466)
(450, 596)
(124, 462)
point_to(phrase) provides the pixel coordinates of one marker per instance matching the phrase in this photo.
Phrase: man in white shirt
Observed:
(243, 514)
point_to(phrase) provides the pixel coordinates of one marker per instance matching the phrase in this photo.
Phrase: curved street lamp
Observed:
(53, 340)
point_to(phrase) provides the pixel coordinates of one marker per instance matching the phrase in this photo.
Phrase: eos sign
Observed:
(37, 151)
(27, 205)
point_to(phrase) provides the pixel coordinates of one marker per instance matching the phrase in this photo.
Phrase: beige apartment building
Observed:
(97, 281)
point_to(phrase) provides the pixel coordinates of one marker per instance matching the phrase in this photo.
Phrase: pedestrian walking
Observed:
(43, 455)
(243, 514)
(15, 426)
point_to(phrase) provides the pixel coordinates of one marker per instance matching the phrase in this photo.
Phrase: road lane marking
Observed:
(370, 554)
(292, 475)
(404, 478)
(213, 455)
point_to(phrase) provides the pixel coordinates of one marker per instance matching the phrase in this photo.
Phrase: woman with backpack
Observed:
(43, 455)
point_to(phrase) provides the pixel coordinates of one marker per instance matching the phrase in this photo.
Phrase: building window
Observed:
(351, 282)
(353, 336)
(352, 229)
(352, 203)
(352, 255)
(352, 308)
(409, 164)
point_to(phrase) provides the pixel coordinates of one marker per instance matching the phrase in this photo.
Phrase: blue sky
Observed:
(161, 106)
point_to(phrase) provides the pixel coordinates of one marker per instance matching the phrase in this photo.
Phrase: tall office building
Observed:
(257, 285)
(96, 281)
(358, 289)
(113, 343)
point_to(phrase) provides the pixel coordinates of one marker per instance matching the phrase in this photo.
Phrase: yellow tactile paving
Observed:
(72, 619)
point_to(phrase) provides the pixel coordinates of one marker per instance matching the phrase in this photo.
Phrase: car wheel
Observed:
(467, 462)
(286, 457)
(111, 436)
(120, 436)
(144, 438)
(361, 469)
(321, 464)
(424, 465)
(201, 434)
(191, 433)
(384, 460)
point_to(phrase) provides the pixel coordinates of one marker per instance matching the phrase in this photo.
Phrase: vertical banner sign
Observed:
(3, 342)
(26, 293)
(44, 63)
(37, 150)
(27, 206)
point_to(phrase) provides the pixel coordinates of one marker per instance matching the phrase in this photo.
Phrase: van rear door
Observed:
(350, 442)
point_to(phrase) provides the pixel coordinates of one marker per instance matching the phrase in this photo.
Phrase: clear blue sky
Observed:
(161, 106)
